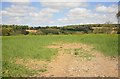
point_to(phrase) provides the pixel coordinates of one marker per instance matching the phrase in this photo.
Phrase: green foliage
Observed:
(24, 32)
(7, 31)
(50, 31)
(83, 54)
(15, 70)
(70, 29)
(34, 47)
(0, 31)
(27, 47)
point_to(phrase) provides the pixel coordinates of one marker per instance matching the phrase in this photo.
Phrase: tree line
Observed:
(8, 30)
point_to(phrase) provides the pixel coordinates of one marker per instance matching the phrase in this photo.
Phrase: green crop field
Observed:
(33, 47)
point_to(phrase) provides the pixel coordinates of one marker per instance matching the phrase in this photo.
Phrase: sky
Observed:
(57, 13)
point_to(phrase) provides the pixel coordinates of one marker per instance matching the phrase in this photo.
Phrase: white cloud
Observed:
(74, 0)
(49, 10)
(17, 20)
(44, 16)
(83, 15)
(59, 0)
(109, 9)
(15, 0)
(64, 5)
(20, 13)
(26, 14)
(0, 18)
(79, 12)
(17, 10)
(18, 2)
(62, 0)
(76, 14)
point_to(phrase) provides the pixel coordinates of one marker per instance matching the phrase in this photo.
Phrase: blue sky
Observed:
(58, 13)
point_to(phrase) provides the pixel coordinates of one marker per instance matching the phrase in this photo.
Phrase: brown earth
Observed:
(74, 60)
(33, 64)
(66, 64)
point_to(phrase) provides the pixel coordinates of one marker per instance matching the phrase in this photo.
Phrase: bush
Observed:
(7, 31)
(24, 32)
(50, 31)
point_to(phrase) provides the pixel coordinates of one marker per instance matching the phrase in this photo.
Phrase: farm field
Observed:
(85, 55)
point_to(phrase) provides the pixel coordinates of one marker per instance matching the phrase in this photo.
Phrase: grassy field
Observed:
(33, 47)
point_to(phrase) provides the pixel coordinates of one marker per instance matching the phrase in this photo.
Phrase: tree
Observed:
(7, 31)
(118, 16)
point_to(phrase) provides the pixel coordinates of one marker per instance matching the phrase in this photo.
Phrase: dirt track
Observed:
(69, 63)
(66, 64)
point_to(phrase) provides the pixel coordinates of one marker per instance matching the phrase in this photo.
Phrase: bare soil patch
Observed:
(91, 64)
(74, 60)
(33, 64)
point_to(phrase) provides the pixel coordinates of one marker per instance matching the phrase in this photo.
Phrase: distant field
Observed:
(33, 47)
